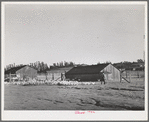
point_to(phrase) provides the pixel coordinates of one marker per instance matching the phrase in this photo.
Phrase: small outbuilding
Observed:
(57, 73)
(21, 72)
(94, 73)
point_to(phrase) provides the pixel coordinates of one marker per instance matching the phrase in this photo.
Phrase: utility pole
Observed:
(120, 75)
(144, 60)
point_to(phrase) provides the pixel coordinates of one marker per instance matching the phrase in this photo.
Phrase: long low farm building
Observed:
(58, 73)
(93, 73)
(21, 72)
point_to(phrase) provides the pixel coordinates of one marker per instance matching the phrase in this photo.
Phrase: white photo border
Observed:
(70, 115)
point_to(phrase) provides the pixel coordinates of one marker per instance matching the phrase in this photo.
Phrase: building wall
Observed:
(54, 76)
(111, 73)
(42, 76)
(27, 72)
(84, 77)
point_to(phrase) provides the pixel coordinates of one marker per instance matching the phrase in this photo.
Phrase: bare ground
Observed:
(111, 96)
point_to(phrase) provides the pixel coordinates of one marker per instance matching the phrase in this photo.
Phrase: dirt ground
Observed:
(111, 96)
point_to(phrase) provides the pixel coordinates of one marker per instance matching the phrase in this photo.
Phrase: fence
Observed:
(133, 75)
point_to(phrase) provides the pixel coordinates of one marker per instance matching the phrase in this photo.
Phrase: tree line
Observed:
(63, 64)
(43, 67)
(39, 66)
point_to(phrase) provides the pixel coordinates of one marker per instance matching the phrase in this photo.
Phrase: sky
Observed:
(81, 33)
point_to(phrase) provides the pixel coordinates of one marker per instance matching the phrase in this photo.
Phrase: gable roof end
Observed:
(14, 69)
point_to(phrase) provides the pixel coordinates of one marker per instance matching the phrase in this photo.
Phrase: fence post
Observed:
(46, 76)
(120, 76)
(138, 74)
(10, 77)
(61, 77)
(129, 77)
(52, 76)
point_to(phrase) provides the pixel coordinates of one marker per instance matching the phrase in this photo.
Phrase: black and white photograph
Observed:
(74, 61)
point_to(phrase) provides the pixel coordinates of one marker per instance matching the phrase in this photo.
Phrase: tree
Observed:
(98, 63)
(140, 61)
(108, 62)
(62, 64)
(54, 64)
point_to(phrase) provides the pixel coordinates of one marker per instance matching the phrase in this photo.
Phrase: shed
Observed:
(56, 73)
(93, 73)
(22, 72)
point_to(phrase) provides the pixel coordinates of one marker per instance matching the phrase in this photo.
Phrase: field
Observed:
(111, 96)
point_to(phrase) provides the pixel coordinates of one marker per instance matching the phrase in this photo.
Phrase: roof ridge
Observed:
(87, 69)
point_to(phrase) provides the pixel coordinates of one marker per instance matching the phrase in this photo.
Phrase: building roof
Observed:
(92, 69)
(14, 69)
(59, 70)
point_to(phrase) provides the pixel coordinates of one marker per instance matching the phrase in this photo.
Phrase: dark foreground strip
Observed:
(101, 104)
(127, 89)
